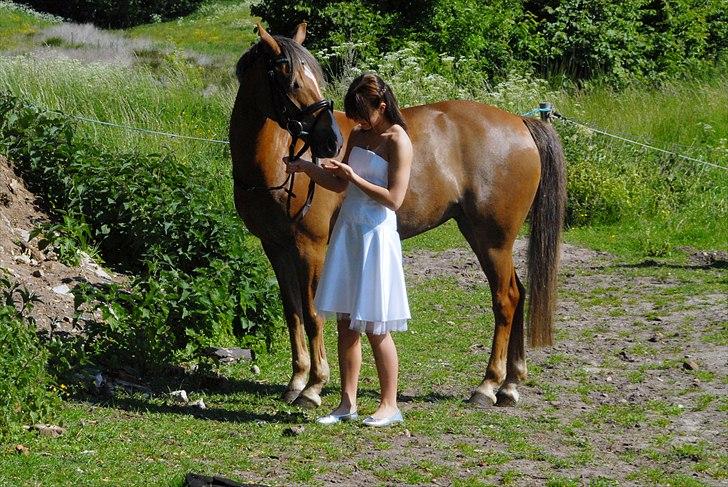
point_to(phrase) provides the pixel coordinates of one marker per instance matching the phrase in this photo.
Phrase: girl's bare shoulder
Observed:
(397, 137)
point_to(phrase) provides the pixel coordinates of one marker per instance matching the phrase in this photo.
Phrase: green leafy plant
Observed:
(68, 238)
(198, 282)
(25, 385)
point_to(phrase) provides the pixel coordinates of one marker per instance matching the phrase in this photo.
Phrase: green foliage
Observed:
(199, 282)
(582, 40)
(116, 13)
(18, 22)
(68, 238)
(168, 316)
(25, 386)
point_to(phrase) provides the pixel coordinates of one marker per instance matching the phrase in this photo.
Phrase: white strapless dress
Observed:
(362, 274)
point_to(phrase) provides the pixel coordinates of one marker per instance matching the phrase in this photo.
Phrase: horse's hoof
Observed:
(481, 400)
(506, 400)
(507, 395)
(307, 400)
(291, 395)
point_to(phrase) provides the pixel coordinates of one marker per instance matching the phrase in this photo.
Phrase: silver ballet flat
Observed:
(335, 418)
(377, 423)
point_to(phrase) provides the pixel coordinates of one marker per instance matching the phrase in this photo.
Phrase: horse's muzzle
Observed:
(326, 139)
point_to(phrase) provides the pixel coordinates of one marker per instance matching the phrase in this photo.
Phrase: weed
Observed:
(26, 392)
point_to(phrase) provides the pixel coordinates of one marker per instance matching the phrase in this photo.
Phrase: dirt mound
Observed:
(38, 270)
(463, 265)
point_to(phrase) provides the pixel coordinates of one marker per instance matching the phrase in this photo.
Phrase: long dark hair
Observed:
(366, 93)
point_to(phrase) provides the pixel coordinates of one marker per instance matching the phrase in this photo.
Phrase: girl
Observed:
(362, 281)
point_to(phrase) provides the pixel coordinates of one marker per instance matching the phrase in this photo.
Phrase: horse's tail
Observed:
(547, 218)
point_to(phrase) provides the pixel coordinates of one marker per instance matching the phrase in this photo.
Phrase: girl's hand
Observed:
(299, 165)
(339, 169)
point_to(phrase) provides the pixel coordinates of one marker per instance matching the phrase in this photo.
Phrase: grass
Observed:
(242, 433)
(134, 439)
(18, 25)
(220, 28)
(170, 100)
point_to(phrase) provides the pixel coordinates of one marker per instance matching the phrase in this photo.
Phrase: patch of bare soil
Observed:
(632, 373)
(38, 270)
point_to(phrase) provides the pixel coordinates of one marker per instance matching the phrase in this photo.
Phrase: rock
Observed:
(48, 430)
(199, 403)
(407, 433)
(294, 431)
(37, 273)
(22, 259)
(62, 290)
(98, 380)
(690, 365)
(255, 369)
(22, 450)
(229, 355)
(24, 234)
(180, 396)
(14, 186)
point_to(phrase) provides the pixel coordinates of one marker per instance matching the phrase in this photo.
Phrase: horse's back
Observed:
(469, 158)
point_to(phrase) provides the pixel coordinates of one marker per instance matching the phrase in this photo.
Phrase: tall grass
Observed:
(686, 116)
(172, 99)
(223, 28)
(623, 198)
(665, 202)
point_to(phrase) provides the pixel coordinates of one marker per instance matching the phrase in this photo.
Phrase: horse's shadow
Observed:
(150, 402)
(709, 264)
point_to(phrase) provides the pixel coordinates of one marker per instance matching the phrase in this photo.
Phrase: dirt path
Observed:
(636, 383)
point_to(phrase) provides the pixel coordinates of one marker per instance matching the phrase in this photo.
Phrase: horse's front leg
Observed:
(310, 263)
(284, 262)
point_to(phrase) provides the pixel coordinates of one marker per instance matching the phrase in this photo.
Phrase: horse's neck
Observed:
(257, 144)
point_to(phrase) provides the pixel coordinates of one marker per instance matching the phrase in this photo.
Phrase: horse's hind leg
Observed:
(496, 259)
(516, 365)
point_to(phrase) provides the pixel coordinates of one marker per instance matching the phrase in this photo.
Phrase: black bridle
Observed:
(300, 124)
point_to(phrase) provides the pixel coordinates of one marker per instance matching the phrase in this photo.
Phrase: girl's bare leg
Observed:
(349, 351)
(385, 357)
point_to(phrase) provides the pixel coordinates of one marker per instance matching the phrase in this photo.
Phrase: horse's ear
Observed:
(268, 39)
(300, 34)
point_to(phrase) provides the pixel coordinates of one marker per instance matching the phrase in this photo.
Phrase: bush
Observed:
(493, 35)
(199, 282)
(25, 386)
(116, 13)
(617, 41)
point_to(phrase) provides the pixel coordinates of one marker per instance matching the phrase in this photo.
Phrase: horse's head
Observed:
(286, 80)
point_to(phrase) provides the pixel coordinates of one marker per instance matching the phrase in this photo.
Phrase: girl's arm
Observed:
(400, 164)
(321, 174)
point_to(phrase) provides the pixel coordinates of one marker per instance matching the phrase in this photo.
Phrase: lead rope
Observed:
(291, 180)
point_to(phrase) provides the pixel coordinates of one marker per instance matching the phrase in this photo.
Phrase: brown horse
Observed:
(484, 167)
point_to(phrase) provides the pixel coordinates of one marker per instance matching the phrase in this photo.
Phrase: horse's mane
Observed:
(296, 54)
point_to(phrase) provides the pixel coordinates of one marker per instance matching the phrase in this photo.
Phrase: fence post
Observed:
(545, 110)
